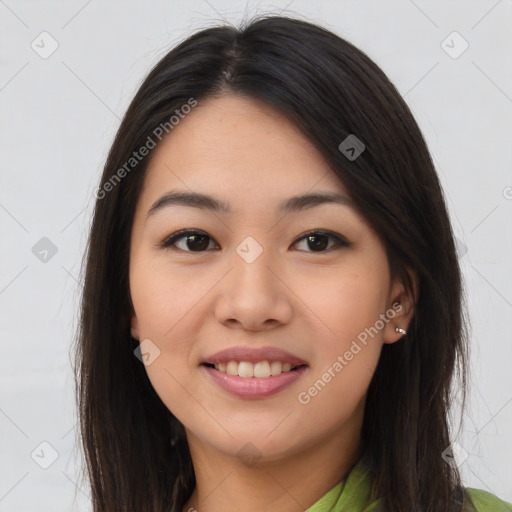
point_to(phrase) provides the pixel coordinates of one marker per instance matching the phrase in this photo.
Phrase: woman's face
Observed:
(250, 279)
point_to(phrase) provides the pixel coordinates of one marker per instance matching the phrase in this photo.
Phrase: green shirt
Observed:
(352, 494)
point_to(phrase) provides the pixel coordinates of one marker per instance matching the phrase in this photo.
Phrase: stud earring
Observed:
(400, 330)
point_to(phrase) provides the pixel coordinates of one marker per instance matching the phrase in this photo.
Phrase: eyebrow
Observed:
(206, 202)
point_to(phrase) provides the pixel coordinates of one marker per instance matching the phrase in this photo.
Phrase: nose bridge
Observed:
(251, 265)
(252, 294)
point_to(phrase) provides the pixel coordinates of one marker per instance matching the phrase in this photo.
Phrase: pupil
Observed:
(194, 244)
(317, 245)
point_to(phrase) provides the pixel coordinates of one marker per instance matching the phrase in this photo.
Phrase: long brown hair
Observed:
(136, 453)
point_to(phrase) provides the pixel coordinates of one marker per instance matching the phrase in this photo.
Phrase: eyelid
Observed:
(167, 242)
(341, 241)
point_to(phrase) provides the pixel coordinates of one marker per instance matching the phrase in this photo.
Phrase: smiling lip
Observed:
(254, 355)
(253, 387)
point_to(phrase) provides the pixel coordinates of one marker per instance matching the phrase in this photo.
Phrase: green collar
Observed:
(351, 494)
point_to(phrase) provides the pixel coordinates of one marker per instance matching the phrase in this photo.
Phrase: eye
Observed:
(197, 241)
(319, 240)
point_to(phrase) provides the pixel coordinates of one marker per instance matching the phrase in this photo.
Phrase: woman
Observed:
(272, 315)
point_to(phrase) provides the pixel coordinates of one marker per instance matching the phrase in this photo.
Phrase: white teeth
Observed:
(260, 370)
(276, 368)
(245, 369)
(231, 368)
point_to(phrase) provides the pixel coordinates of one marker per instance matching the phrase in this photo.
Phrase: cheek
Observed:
(164, 298)
(163, 306)
(348, 342)
(346, 357)
(345, 305)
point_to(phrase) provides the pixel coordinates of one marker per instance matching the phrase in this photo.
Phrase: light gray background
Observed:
(59, 116)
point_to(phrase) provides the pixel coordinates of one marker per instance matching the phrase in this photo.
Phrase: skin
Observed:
(310, 303)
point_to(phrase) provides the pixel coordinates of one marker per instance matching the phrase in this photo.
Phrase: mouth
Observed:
(253, 373)
(253, 388)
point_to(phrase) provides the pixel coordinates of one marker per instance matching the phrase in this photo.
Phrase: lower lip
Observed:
(253, 387)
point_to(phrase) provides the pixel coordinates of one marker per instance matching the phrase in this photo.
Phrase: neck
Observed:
(224, 482)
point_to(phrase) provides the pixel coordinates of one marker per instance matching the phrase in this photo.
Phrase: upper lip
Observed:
(254, 355)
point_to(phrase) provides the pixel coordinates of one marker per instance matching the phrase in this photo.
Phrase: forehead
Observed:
(241, 150)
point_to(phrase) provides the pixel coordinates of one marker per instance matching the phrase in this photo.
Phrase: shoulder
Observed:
(484, 501)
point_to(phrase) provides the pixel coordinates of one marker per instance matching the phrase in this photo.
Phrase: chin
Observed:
(254, 446)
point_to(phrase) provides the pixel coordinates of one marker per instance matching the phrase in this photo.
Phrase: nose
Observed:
(254, 296)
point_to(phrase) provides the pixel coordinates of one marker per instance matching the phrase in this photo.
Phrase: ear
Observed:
(134, 326)
(400, 308)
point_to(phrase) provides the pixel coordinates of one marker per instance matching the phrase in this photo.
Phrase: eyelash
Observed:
(168, 242)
